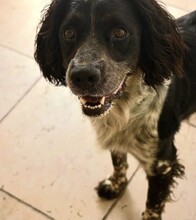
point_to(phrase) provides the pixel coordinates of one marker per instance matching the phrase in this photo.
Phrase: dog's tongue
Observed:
(92, 99)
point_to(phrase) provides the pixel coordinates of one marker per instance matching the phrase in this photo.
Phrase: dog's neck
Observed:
(138, 98)
(140, 106)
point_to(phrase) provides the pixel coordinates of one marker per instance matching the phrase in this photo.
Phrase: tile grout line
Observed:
(20, 99)
(16, 51)
(105, 217)
(26, 204)
(191, 124)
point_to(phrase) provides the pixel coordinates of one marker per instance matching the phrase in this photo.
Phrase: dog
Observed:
(133, 68)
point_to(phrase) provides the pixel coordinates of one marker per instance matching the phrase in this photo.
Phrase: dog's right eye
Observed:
(119, 33)
(70, 34)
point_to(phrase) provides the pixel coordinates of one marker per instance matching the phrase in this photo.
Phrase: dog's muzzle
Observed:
(87, 79)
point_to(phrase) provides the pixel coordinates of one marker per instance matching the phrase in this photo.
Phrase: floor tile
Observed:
(175, 11)
(11, 209)
(49, 156)
(18, 74)
(18, 23)
(189, 5)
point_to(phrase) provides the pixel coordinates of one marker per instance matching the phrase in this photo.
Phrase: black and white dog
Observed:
(133, 68)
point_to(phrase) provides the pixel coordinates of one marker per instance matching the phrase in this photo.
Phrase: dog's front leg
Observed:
(113, 186)
(160, 187)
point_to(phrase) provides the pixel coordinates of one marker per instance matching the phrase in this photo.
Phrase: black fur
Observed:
(162, 46)
(47, 52)
(160, 42)
(160, 187)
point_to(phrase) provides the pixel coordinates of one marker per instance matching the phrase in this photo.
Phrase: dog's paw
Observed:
(151, 215)
(110, 189)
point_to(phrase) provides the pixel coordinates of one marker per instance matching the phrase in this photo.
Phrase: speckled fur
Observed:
(113, 186)
(131, 125)
(110, 69)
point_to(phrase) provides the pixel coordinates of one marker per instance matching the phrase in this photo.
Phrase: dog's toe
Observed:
(109, 189)
(151, 215)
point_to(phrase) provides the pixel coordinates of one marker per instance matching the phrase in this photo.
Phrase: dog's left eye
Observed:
(119, 33)
(70, 34)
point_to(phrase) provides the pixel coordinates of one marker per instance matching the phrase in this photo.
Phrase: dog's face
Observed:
(100, 44)
(94, 45)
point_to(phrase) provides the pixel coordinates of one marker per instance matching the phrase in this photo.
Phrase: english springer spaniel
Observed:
(133, 68)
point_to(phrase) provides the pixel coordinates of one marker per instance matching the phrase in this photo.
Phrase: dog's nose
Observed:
(85, 76)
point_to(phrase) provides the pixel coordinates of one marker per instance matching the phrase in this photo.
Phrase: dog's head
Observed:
(94, 45)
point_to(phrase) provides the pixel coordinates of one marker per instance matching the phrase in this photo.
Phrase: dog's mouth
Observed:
(95, 106)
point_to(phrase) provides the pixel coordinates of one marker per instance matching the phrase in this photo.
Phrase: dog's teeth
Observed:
(92, 107)
(83, 101)
(102, 100)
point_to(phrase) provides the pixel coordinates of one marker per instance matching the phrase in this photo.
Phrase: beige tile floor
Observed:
(42, 175)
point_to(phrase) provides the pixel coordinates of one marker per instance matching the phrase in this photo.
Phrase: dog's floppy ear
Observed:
(161, 44)
(47, 46)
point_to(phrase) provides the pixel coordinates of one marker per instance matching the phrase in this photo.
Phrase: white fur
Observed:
(165, 166)
(131, 125)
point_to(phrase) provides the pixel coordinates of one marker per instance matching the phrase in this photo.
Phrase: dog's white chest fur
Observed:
(131, 125)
